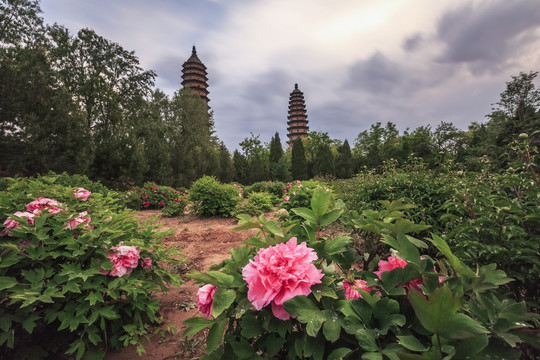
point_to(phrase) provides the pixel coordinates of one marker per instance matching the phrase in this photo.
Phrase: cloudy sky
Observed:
(411, 62)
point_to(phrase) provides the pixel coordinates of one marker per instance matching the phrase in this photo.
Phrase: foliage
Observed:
(169, 200)
(55, 297)
(256, 203)
(176, 206)
(276, 188)
(344, 161)
(414, 307)
(298, 160)
(298, 193)
(209, 197)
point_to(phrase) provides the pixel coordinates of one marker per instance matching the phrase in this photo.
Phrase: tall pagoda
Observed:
(297, 116)
(194, 75)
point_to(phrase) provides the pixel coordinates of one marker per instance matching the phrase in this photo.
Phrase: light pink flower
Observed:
(81, 219)
(124, 258)
(82, 194)
(279, 273)
(29, 216)
(11, 224)
(42, 203)
(205, 297)
(351, 290)
(287, 198)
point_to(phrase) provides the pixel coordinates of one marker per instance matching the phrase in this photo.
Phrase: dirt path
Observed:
(204, 242)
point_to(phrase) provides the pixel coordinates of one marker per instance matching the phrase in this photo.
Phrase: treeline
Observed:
(82, 104)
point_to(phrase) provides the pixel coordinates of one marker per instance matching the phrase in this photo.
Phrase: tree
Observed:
(521, 99)
(298, 161)
(324, 161)
(226, 166)
(241, 168)
(276, 153)
(344, 162)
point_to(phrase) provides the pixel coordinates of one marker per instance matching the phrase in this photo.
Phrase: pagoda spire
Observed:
(194, 75)
(297, 119)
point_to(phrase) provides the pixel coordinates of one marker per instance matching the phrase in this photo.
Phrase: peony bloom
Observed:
(279, 273)
(82, 194)
(42, 203)
(287, 198)
(351, 290)
(205, 297)
(124, 258)
(11, 224)
(392, 263)
(147, 262)
(29, 216)
(81, 219)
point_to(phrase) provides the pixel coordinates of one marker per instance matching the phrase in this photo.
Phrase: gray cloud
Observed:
(487, 35)
(412, 43)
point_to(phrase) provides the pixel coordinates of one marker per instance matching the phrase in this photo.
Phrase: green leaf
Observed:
(215, 335)
(339, 354)
(223, 298)
(29, 323)
(94, 297)
(7, 282)
(461, 326)
(306, 213)
(222, 278)
(273, 345)
(372, 356)
(330, 217)
(108, 312)
(196, 324)
(320, 202)
(366, 339)
(457, 264)
(332, 326)
(307, 312)
(410, 342)
(243, 350)
(337, 245)
(471, 346)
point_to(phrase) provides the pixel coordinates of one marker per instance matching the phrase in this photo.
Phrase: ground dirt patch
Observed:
(204, 242)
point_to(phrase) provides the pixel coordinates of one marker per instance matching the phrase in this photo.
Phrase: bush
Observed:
(298, 193)
(276, 188)
(290, 293)
(209, 197)
(151, 196)
(256, 203)
(58, 244)
(176, 206)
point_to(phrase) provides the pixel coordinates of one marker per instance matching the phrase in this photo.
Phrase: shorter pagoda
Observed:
(194, 75)
(297, 123)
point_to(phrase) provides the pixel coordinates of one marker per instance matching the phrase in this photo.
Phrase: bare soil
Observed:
(204, 242)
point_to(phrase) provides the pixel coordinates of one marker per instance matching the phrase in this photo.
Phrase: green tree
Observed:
(298, 161)
(226, 166)
(276, 153)
(241, 168)
(344, 161)
(324, 161)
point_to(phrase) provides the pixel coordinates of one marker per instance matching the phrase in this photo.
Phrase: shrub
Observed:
(57, 248)
(298, 193)
(176, 206)
(290, 293)
(209, 197)
(151, 196)
(276, 188)
(256, 203)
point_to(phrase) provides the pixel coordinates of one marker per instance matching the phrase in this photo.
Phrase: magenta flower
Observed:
(124, 258)
(279, 273)
(12, 224)
(82, 194)
(42, 203)
(147, 262)
(392, 263)
(351, 290)
(81, 219)
(205, 297)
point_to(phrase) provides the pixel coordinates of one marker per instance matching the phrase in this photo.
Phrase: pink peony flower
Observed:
(11, 224)
(392, 263)
(205, 297)
(29, 216)
(287, 198)
(351, 290)
(82, 194)
(279, 273)
(147, 262)
(124, 258)
(42, 203)
(81, 219)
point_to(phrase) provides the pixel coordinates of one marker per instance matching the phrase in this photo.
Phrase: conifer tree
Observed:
(298, 161)
(344, 164)
(241, 167)
(324, 161)
(226, 167)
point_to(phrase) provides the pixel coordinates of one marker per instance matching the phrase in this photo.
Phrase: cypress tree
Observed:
(344, 163)
(324, 161)
(226, 167)
(298, 160)
(241, 167)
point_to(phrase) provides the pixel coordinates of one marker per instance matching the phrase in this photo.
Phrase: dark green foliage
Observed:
(241, 168)
(298, 161)
(210, 198)
(257, 171)
(57, 299)
(276, 188)
(344, 162)
(276, 149)
(324, 162)
(226, 166)
(280, 170)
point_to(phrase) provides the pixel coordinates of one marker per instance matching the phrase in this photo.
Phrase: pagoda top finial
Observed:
(193, 51)
(296, 86)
